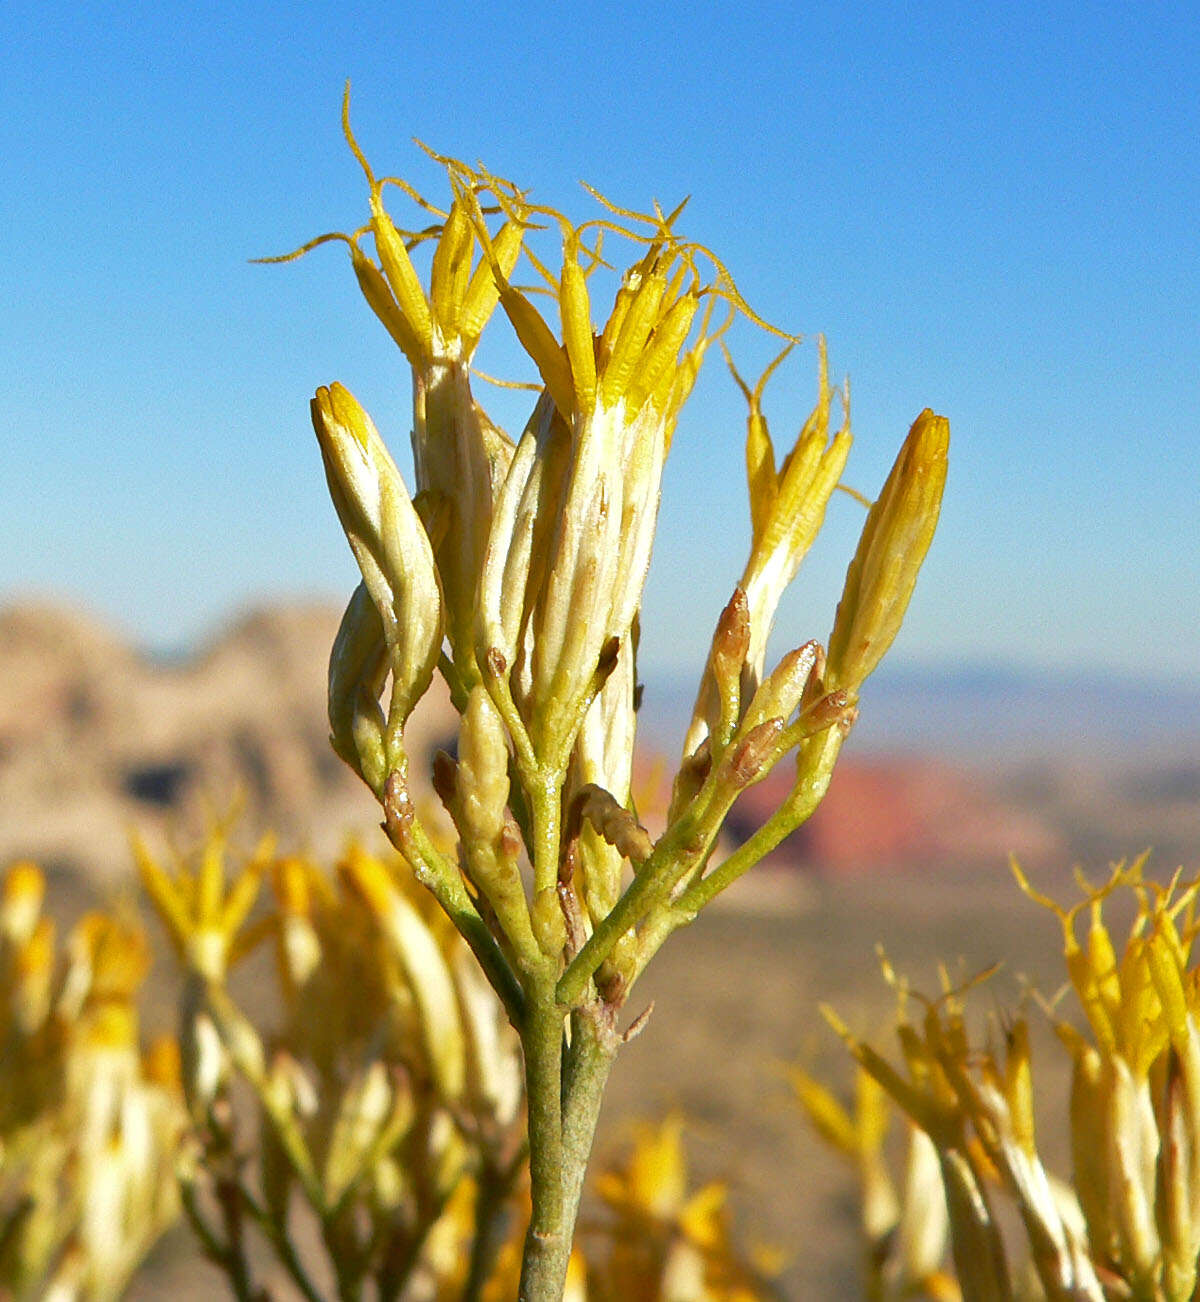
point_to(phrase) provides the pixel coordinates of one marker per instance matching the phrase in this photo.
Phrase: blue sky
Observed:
(990, 213)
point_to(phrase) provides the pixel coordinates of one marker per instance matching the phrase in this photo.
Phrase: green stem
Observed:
(285, 1250)
(681, 850)
(237, 1034)
(548, 1241)
(797, 809)
(210, 1245)
(401, 1257)
(229, 1256)
(343, 1251)
(584, 1072)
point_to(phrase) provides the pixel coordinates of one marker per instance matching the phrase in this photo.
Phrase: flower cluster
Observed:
(391, 1081)
(903, 1220)
(89, 1123)
(383, 1145)
(661, 1240)
(516, 572)
(1128, 1224)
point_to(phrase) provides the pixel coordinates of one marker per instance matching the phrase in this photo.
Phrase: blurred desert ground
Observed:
(946, 775)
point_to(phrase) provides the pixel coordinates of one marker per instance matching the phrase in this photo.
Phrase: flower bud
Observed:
(299, 951)
(358, 669)
(482, 769)
(32, 978)
(364, 1110)
(1175, 1194)
(1132, 1152)
(21, 898)
(461, 459)
(781, 693)
(547, 920)
(923, 1224)
(206, 1064)
(475, 793)
(895, 538)
(388, 541)
(719, 701)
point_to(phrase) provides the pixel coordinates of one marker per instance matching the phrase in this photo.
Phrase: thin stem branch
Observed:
(594, 1045)
(443, 879)
(400, 1259)
(210, 1245)
(279, 1238)
(491, 1220)
(229, 1257)
(797, 809)
(681, 846)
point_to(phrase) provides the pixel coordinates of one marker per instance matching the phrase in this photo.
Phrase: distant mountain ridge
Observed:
(995, 712)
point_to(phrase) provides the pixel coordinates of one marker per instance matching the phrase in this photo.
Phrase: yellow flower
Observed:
(205, 921)
(1135, 1100)
(26, 951)
(21, 898)
(416, 948)
(109, 957)
(664, 1242)
(787, 504)
(460, 456)
(571, 537)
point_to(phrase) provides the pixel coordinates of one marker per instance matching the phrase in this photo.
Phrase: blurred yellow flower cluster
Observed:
(359, 1118)
(391, 1077)
(89, 1124)
(902, 1220)
(659, 1239)
(1127, 1225)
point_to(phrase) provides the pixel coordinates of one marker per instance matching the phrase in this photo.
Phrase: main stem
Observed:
(557, 1181)
(548, 1241)
(563, 1087)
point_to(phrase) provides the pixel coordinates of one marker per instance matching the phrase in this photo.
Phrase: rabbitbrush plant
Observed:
(516, 573)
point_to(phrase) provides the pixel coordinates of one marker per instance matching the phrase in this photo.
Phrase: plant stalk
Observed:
(548, 1240)
(583, 1073)
(564, 1086)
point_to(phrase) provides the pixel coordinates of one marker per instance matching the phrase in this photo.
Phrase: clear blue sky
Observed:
(989, 210)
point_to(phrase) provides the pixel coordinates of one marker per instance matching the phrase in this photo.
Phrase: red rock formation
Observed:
(889, 812)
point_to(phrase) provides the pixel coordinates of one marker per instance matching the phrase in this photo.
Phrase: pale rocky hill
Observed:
(96, 739)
